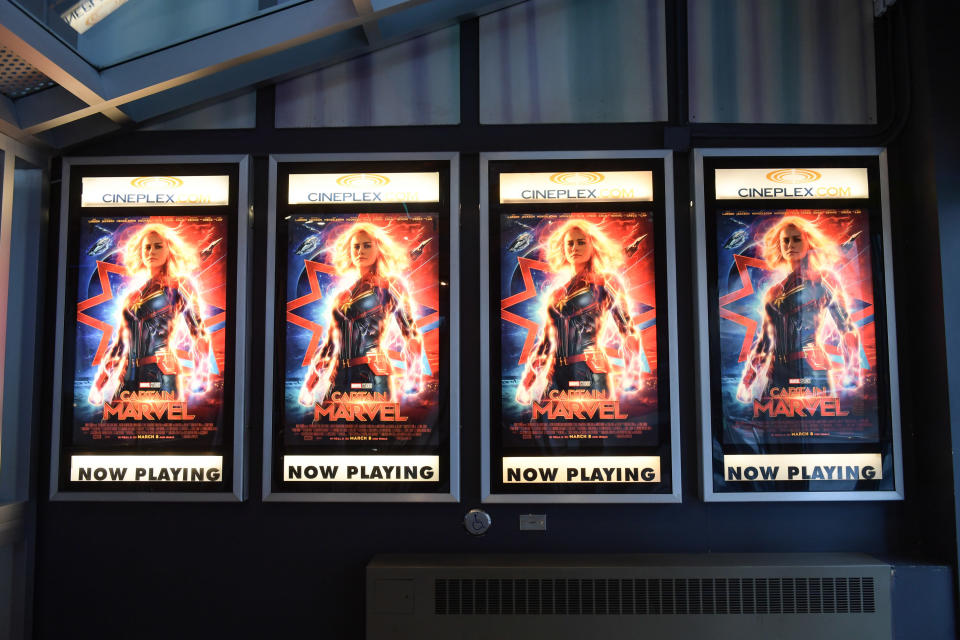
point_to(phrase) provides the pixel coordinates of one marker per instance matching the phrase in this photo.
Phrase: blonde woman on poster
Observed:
(570, 354)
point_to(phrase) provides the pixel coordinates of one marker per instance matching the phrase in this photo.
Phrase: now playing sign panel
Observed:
(582, 469)
(121, 468)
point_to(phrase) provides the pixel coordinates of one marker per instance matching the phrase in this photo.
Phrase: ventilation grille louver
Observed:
(653, 596)
(18, 77)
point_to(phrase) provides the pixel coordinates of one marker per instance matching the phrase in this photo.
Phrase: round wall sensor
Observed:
(477, 521)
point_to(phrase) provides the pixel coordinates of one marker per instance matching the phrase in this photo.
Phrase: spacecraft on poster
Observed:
(736, 239)
(207, 251)
(633, 246)
(417, 251)
(521, 242)
(309, 245)
(849, 242)
(102, 244)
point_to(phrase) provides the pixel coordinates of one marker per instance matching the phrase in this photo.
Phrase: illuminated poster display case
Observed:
(361, 333)
(797, 347)
(148, 392)
(578, 328)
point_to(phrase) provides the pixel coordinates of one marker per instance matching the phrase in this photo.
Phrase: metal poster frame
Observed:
(669, 282)
(270, 346)
(240, 343)
(708, 445)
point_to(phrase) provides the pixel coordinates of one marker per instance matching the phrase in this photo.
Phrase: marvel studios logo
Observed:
(800, 380)
(150, 385)
(361, 385)
(579, 383)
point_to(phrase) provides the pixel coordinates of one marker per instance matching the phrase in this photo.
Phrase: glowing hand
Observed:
(95, 397)
(198, 384)
(850, 380)
(745, 388)
(523, 395)
(631, 382)
(306, 396)
(411, 385)
(744, 392)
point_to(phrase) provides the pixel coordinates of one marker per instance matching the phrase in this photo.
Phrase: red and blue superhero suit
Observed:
(352, 357)
(787, 352)
(569, 355)
(142, 357)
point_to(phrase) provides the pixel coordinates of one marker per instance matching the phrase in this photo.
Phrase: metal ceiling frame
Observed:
(278, 44)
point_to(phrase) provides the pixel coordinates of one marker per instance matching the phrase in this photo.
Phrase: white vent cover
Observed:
(802, 596)
(653, 596)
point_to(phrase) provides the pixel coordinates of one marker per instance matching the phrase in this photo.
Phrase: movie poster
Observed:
(150, 333)
(362, 335)
(798, 353)
(578, 360)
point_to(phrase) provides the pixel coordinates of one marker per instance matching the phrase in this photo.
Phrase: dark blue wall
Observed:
(941, 106)
(278, 570)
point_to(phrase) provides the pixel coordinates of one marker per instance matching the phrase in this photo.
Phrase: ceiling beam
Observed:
(33, 150)
(328, 50)
(8, 111)
(47, 104)
(370, 29)
(236, 45)
(11, 127)
(279, 44)
(221, 51)
(22, 35)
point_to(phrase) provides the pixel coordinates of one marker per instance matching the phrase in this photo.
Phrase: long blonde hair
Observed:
(607, 255)
(822, 252)
(392, 259)
(182, 260)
